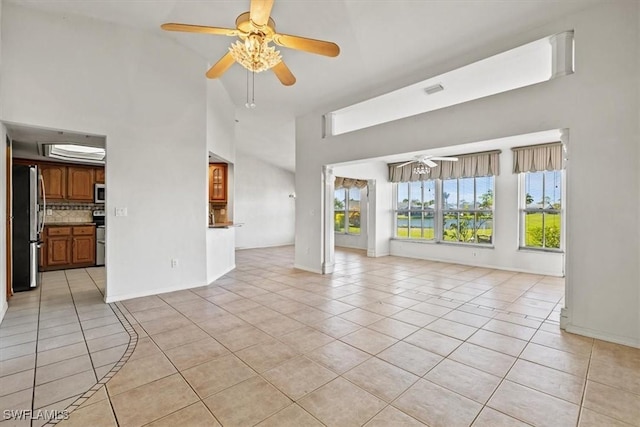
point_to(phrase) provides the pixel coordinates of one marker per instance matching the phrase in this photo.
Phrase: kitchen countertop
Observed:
(224, 225)
(67, 224)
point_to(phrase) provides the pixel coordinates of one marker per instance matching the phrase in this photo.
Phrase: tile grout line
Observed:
(133, 339)
(35, 359)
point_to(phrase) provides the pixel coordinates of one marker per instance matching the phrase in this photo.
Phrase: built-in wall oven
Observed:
(100, 195)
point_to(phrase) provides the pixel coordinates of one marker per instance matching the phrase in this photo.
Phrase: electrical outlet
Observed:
(121, 211)
(49, 212)
(475, 254)
(174, 263)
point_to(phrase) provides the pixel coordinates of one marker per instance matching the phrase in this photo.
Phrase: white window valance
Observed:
(468, 165)
(536, 158)
(342, 182)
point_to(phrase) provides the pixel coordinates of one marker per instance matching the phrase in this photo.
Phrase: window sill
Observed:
(541, 250)
(433, 242)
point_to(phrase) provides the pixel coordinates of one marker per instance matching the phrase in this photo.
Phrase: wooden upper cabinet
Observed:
(55, 181)
(80, 182)
(99, 175)
(218, 182)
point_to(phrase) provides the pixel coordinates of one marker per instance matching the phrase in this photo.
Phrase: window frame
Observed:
(347, 211)
(475, 211)
(438, 212)
(523, 210)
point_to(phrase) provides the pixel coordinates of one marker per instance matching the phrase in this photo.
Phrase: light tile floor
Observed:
(56, 343)
(380, 342)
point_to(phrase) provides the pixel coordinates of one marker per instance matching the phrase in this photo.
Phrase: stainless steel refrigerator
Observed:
(28, 224)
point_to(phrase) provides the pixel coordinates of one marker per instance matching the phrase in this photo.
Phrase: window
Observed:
(415, 213)
(346, 207)
(464, 213)
(541, 212)
(467, 210)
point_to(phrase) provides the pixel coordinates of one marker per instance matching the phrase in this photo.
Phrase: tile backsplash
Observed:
(58, 215)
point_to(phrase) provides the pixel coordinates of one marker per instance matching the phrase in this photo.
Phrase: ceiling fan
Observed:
(428, 161)
(256, 29)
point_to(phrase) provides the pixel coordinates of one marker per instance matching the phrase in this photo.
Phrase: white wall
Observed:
(148, 96)
(505, 253)
(595, 104)
(263, 205)
(3, 197)
(3, 220)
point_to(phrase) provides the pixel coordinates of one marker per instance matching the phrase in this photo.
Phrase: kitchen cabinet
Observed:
(80, 183)
(99, 175)
(218, 182)
(68, 246)
(55, 181)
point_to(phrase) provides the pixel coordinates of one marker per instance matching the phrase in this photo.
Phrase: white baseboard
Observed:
(480, 264)
(374, 254)
(3, 310)
(277, 245)
(149, 292)
(604, 336)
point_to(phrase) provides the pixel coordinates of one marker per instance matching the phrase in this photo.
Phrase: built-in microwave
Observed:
(99, 194)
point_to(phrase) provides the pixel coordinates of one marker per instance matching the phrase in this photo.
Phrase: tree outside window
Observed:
(346, 207)
(542, 210)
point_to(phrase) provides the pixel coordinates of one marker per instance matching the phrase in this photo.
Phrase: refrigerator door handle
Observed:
(44, 203)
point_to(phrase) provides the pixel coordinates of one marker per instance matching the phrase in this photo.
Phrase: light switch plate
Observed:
(121, 211)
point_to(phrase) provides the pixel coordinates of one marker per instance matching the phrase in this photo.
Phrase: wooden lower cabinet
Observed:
(68, 247)
(58, 251)
(83, 250)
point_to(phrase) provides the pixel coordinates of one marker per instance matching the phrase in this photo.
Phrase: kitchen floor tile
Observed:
(437, 406)
(140, 371)
(338, 356)
(218, 374)
(381, 379)
(465, 380)
(410, 358)
(298, 377)
(369, 341)
(341, 403)
(613, 402)
(433, 342)
(532, 406)
(153, 401)
(247, 403)
(291, 416)
(391, 416)
(262, 357)
(196, 415)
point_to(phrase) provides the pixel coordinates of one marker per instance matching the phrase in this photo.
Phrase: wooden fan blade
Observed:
(319, 47)
(284, 74)
(221, 66)
(170, 26)
(259, 12)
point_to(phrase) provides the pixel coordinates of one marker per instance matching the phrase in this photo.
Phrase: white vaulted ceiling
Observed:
(385, 45)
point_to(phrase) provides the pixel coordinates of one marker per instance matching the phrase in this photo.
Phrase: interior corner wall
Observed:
(599, 104)
(263, 205)
(146, 94)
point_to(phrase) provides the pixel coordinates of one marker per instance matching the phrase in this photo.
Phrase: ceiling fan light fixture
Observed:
(421, 169)
(255, 54)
